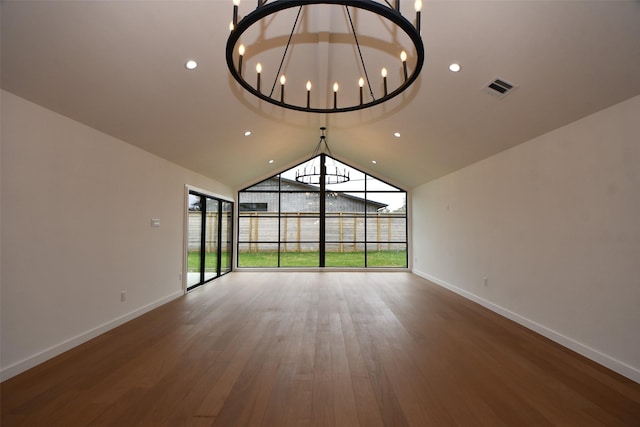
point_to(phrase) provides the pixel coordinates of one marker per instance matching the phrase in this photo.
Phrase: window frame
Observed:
(322, 216)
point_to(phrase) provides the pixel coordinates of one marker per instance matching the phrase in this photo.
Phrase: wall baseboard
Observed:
(586, 351)
(51, 352)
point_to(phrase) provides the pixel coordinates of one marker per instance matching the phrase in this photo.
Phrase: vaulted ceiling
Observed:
(118, 66)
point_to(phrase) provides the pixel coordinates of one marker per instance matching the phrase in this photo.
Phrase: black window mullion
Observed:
(203, 235)
(219, 246)
(366, 201)
(279, 217)
(323, 190)
(230, 234)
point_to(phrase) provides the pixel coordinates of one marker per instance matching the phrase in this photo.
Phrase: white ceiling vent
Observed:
(499, 87)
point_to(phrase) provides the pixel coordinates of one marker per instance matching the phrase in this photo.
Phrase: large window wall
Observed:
(286, 223)
(210, 237)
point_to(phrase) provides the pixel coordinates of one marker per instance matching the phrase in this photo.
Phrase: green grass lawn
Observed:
(303, 259)
(193, 261)
(333, 259)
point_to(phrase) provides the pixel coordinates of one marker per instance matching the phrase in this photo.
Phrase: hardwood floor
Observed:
(321, 349)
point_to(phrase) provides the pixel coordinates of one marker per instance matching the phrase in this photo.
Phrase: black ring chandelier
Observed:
(309, 174)
(235, 53)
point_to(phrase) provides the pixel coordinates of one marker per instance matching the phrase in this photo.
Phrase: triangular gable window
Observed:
(307, 217)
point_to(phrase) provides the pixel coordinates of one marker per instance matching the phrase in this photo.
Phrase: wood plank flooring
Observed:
(320, 349)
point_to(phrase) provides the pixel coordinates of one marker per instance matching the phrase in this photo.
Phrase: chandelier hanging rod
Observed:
(265, 8)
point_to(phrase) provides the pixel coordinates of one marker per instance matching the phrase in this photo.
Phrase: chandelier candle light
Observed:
(240, 55)
(403, 58)
(384, 80)
(381, 8)
(258, 71)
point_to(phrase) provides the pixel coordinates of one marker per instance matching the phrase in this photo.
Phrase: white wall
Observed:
(76, 211)
(554, 225)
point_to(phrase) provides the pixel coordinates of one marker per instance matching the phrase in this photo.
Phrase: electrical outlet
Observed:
(180, 276)
(484, 281)
(123, 296)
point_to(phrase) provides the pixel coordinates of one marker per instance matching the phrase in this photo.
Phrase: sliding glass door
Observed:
(210, 236)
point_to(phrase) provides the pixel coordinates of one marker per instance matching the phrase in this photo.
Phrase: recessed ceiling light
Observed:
(270, 161)
(454, 67)
(397, 134)
(374, 162)
(191, 64)
(247, 133)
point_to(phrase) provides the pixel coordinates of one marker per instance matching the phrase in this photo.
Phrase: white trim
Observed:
(588, 352)
(51, 352)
